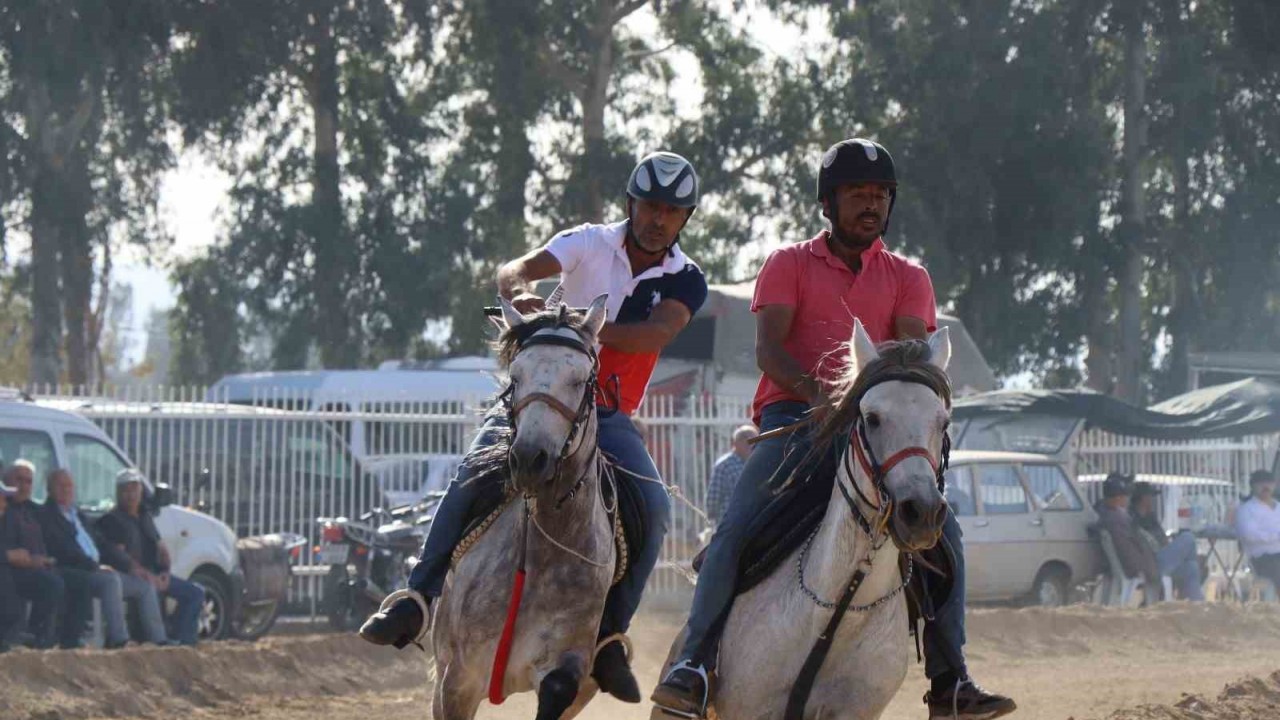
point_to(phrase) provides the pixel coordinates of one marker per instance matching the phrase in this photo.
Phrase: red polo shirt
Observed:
(827, 296)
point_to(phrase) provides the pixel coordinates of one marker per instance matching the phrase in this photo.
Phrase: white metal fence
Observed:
(278, 465)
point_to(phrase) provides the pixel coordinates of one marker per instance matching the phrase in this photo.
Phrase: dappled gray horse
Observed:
(557, 531)
(885, 500)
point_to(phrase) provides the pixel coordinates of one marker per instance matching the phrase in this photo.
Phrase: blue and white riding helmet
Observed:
(666, 177)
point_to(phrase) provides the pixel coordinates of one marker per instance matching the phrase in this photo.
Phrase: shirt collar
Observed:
(820, 249)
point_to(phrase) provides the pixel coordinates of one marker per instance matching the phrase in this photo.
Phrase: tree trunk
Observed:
(334, 256)
(1131, 357)
(1099, 361)
(46, 304)
(594, 98)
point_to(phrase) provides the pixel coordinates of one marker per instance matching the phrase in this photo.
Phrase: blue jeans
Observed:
(186, 618)
(771, 462)
(618, 437)
(147, 600)
(1178, 560)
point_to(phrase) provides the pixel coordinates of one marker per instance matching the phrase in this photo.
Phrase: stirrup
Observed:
(423, 606)
(621, 639)
(700, 671)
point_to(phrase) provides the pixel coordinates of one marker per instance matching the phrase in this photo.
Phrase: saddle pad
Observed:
(779, 530)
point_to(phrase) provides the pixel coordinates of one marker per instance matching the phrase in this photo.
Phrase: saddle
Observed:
(797, 511)
(627, 517)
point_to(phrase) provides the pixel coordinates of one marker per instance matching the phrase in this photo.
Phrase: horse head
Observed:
(551, 362)
(899, 434)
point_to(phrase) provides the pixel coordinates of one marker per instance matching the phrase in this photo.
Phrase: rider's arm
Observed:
(773, 323)
(915, 314)
(910, 328)
(518, 276)
(664, 323)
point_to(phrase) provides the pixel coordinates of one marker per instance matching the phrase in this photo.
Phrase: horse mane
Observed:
(493, 459)
(907, 360)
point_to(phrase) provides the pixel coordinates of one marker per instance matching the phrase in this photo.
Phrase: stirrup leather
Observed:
(701, 672)
(423, 606)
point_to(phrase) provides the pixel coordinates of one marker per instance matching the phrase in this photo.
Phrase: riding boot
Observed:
(613, 673)
(398, 625)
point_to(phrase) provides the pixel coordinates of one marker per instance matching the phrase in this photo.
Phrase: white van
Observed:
(203, 549)
(408, 428)
(366, 392)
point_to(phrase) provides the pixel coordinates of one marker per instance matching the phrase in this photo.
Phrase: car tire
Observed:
(1050, 588)
(254, 622)
(215, 616)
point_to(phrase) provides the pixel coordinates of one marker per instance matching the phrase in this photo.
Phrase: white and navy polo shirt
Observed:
(593, 260)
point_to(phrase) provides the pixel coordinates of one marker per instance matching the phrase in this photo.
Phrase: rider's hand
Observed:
(528, 303)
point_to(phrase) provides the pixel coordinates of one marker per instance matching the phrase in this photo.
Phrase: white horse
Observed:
(559, 533)
(897, 411)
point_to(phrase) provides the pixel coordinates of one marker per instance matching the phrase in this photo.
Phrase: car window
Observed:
(959, 493)
(1002, 492)
(1051, 488)
(34, 446)
(94, 465)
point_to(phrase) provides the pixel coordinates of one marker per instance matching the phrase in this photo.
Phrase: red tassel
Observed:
(504, 643)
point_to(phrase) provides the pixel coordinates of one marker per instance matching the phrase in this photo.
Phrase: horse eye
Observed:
(873, 420)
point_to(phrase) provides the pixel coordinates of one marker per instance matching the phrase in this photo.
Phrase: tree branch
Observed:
(635, 57)
(626, 8)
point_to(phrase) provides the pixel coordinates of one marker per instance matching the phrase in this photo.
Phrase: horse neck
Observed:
(841, 544)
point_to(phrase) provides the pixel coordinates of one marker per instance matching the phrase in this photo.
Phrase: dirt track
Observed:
(1169, 663)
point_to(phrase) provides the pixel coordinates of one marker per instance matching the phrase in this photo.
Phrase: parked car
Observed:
(1026, 526)
(203, 549)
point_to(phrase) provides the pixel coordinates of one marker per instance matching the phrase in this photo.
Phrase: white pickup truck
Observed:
(202, 548)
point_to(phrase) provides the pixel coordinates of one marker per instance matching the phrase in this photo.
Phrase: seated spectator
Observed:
(88, 566)
(1258, 526)
(10, 603)
(1137, 559)
(30, 566)
(131, 527)
(1176, 556)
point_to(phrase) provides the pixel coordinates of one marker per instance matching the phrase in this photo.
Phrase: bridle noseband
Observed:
(561, 336)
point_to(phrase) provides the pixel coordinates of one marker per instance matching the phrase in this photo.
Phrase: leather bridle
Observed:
(561, 336)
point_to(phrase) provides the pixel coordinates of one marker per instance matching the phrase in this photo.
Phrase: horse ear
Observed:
(597, 313)
(512, 316)
(863, 350)
(940, 344)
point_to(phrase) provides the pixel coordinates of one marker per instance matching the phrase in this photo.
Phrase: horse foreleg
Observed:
(456, 697)
(559, 688)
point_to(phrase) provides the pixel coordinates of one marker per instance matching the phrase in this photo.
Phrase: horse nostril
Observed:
(538, 464)
(909, 512)
(940, 515)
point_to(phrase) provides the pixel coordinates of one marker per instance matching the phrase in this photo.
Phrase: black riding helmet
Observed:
(856, 160)
(665, 177)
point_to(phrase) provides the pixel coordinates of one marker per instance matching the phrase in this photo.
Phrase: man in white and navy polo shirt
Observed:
(654, 290)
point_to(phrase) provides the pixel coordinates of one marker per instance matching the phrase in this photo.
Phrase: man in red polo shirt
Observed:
(806, 299)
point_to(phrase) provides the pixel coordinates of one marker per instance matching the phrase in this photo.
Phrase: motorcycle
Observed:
(370, 557)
